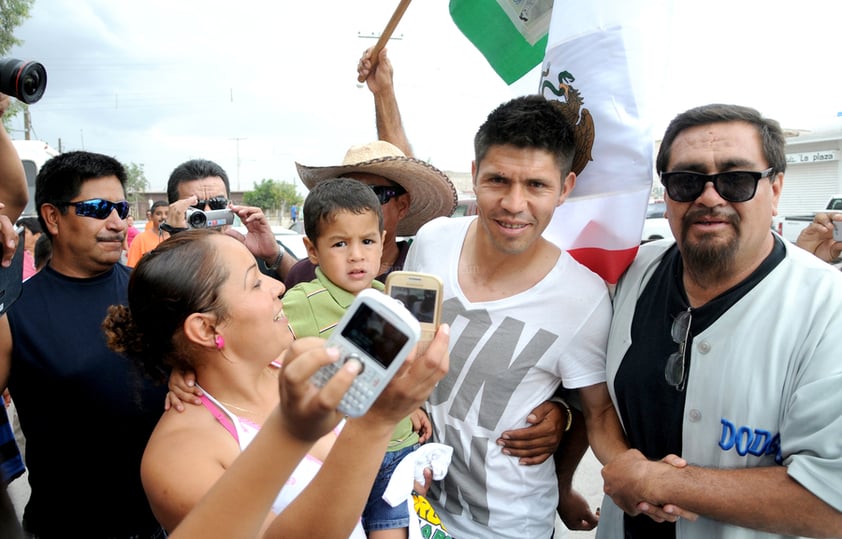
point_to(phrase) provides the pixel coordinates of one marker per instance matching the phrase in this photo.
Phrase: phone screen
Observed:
(421, 302)
(374, 335)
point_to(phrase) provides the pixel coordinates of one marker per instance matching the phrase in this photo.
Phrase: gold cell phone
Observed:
(421, 294)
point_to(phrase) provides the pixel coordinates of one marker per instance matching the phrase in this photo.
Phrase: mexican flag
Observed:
(511, 34)
(599, 62)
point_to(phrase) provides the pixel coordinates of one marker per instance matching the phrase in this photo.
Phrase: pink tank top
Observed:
(244, 432)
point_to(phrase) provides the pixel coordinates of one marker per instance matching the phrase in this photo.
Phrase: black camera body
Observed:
(208, 219)
(22, 79)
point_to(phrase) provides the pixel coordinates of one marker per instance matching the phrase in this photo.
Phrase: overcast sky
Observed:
(158, 82)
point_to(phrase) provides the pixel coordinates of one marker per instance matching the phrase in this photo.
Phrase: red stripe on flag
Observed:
(609, 265)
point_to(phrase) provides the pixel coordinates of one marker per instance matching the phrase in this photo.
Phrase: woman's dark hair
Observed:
(180, 277)
(31, 224)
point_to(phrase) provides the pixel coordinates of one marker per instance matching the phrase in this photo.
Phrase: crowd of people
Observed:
(705, 383)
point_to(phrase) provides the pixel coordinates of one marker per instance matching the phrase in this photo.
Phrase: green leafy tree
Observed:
(136, 185)
(289, 195)
(272, 196)
(265, 195)
(12, 14)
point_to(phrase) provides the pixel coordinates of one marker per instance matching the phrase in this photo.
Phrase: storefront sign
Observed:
(820, 156)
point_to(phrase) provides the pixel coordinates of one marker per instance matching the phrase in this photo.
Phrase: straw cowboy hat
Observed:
(430, 191)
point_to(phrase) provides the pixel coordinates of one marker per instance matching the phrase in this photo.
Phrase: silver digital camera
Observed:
(208, 219)
(379, 332)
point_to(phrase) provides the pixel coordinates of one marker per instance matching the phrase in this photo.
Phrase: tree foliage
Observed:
(272, 195)
(15, 108)
(12, 14)
(136, 181)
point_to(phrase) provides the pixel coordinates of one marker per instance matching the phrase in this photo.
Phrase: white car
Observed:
(290, 239)
(656, 226)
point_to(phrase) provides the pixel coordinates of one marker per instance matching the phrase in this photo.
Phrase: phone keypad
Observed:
(360, 395)
(357, 400)
(324, 374)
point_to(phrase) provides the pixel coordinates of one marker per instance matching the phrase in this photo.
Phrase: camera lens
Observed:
(31, 83)
(197, 219)
(22, 80)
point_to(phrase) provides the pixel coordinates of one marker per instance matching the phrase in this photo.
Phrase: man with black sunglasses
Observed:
(85, 414)
(724, 351)
(203, 185)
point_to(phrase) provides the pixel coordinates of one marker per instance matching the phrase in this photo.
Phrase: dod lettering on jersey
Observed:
(496, 372)
(745, 440)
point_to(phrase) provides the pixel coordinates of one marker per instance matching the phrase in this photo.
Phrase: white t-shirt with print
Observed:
(506, 357)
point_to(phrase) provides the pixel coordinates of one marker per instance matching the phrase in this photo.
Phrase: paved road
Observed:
(588, 482)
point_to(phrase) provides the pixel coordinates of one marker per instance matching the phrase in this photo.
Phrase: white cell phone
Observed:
(421, 295)
(378, 332)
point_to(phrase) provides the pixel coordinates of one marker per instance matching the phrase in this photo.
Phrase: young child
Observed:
(343, 223)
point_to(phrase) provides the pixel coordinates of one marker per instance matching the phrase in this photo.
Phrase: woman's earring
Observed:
(220, 342)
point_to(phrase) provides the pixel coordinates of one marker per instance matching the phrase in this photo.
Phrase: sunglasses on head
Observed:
(385, 193)
(99, 208)
(215, 203)
(733, 186)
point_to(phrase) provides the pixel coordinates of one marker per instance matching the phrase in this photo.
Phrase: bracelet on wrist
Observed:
(277, 263)
(172, 229)
(566, 406)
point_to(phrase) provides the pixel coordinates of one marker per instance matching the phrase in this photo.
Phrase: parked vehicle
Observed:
(465, 206)
(289, 239)
(656, 226)
(790, 226)
(33, 154)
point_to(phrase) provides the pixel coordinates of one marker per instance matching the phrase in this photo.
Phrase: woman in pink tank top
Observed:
(198, 301)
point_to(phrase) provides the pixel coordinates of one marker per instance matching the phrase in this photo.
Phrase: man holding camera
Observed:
(200, 184)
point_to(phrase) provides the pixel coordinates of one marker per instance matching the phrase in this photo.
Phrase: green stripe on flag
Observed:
(491, 31)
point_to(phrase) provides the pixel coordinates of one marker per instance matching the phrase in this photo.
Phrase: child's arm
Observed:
(421, 424)
(182, 388)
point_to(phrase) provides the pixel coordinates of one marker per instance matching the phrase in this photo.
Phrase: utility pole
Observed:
(238, 139)
(27, 123)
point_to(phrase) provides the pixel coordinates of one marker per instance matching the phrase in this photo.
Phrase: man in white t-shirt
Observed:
(524, 318)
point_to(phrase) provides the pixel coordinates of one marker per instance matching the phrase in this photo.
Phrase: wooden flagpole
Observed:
(387, 33)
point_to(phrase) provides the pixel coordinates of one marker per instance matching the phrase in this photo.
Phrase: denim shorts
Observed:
(378, 514)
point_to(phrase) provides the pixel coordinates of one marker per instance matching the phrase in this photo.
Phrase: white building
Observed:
(813, 170)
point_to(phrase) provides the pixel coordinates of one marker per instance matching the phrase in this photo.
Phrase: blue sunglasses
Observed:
(99, 208)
